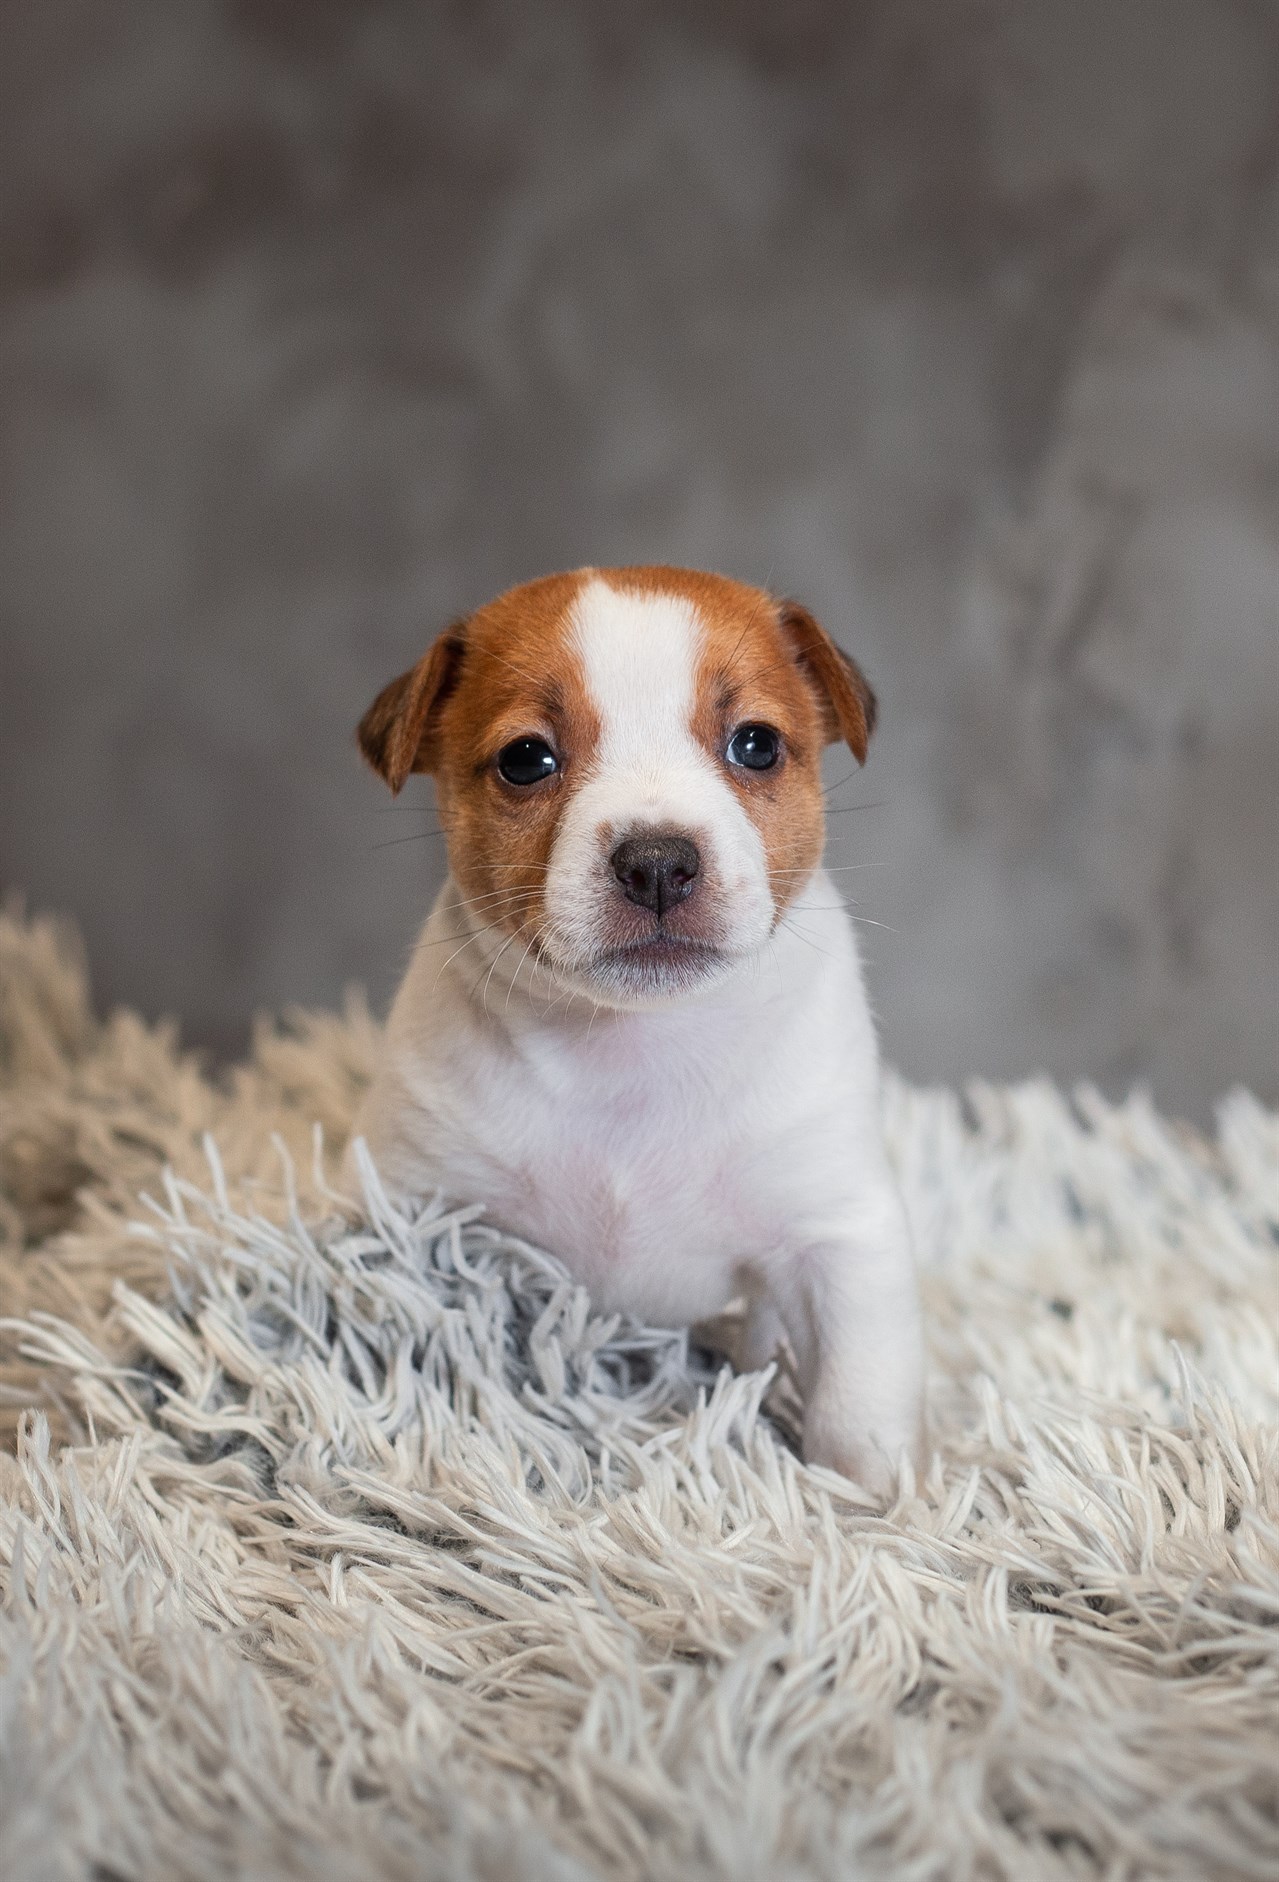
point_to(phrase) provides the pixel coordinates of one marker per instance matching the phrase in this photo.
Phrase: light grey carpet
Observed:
(346, 1552)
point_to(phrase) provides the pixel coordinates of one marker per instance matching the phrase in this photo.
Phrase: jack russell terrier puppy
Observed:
(635, 1027)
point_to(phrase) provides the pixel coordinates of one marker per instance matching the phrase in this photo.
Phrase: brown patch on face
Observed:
(768, 662)
(507, 672)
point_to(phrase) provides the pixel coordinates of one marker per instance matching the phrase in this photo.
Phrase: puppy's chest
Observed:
(653, 1196)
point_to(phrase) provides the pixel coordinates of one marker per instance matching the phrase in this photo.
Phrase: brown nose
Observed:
(656, 871)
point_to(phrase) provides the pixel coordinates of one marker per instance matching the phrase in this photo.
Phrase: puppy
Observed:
(635, 1027)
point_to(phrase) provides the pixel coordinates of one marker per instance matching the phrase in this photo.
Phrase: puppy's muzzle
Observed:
(656, 872)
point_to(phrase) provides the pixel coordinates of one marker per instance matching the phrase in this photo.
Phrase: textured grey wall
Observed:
(322, 321)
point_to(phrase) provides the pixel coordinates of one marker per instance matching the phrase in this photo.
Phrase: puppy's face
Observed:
(627, 763)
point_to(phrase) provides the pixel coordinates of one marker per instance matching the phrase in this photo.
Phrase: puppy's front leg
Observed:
(852, 1309)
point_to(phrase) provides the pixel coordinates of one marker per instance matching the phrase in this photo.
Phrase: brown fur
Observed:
(849, 707)
(397, 733)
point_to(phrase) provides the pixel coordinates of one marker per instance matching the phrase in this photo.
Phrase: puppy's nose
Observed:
(656, 871)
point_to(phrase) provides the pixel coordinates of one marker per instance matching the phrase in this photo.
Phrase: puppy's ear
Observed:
(398, 732)
(844, 693)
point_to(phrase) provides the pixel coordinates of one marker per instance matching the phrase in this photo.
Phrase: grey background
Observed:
(321, 322)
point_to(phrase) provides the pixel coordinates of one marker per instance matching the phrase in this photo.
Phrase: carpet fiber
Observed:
(340, 1550)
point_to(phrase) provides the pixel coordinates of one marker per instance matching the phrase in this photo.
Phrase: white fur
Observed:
(639, 658)
(679, 1154)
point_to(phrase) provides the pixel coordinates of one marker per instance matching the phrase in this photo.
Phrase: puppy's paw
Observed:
(883, 1470)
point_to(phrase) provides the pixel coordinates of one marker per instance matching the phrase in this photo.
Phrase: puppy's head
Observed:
(627, 763)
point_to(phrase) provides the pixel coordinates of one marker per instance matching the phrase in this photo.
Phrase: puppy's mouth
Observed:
(660, 965)
(658, 949)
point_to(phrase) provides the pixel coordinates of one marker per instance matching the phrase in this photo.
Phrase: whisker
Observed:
(566, 993)
(420, 947)
(484, 997)
(789, 923)
(509, 898)
(419, 836)
(489, 653)
(469, 941)
(532, 943)
(462, 950)
(494, 913)
(751, 620)
(762, 673)
(852, 915)
(775, 953)
(840, 869)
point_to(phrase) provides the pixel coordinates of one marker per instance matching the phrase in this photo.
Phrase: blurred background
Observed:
(320, 322)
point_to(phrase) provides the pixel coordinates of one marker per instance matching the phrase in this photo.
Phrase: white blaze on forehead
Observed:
(639, 656)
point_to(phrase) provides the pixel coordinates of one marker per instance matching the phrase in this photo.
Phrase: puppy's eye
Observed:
(756, 747)
(527, 761)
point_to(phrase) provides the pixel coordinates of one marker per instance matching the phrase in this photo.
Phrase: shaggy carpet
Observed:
(341, 1548)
